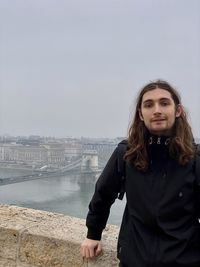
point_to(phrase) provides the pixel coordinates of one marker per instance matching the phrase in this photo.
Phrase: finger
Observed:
(91, 252)
(98, 249)
(87, 253)
(82, 251)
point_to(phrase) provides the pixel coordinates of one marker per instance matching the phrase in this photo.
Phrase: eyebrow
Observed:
(160, 99)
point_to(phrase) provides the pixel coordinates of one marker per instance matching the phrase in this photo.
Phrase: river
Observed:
(64, 194)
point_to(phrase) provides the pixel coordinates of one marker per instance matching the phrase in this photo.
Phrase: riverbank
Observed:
(15, 166)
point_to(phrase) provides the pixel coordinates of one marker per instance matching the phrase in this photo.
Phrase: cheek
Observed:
(146, 120)
(172, 118)
(144, 115)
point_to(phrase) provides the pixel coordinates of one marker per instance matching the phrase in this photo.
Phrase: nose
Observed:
(157, 108)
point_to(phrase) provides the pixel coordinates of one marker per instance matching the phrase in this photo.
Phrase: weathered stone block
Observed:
(7, 263)
(49, 252)
(8, 243)
(31, 238)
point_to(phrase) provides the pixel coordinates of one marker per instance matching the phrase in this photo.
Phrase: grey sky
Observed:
(73, 67)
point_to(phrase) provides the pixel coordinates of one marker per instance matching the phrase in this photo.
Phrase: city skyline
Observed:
(73, 68)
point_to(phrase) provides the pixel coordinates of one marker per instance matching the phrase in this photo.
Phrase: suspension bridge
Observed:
(87, 165)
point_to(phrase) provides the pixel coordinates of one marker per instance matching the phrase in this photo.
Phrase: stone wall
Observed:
(34, 238)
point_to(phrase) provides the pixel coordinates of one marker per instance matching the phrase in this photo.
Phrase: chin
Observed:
(160, 132)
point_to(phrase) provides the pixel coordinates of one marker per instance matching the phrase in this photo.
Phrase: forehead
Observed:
(156, 94)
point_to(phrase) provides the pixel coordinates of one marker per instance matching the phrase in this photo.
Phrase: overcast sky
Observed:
(74, 67)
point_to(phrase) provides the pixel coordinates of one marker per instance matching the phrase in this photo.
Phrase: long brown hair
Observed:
(181, 145)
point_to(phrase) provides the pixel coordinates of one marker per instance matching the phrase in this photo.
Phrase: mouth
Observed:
(158, 120)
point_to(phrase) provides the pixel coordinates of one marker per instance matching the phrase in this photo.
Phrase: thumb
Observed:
(98, 249)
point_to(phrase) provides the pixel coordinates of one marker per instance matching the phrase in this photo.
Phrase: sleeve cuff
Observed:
(94, 234)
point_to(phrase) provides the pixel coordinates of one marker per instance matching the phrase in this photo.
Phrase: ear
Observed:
(179, 110)
(140, 114)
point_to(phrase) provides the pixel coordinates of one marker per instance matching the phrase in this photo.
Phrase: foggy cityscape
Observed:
(70, 72)
(48, 172)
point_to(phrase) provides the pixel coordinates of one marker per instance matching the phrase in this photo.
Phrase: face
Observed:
(158, 111)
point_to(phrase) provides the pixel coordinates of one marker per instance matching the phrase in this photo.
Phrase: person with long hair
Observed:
(160, 225)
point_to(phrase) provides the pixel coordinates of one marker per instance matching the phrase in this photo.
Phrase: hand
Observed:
(90, 248)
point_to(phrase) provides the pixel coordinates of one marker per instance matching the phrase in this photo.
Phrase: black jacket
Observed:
(160, 226)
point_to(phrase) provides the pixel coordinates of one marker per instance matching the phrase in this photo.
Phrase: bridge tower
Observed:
(89, 161)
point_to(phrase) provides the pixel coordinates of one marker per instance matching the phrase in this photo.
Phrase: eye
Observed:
(165, 103)
(148, 105)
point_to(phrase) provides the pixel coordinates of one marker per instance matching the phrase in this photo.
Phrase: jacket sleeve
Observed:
(106, 191)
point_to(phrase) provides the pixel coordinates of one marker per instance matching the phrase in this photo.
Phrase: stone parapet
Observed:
(34, 238)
